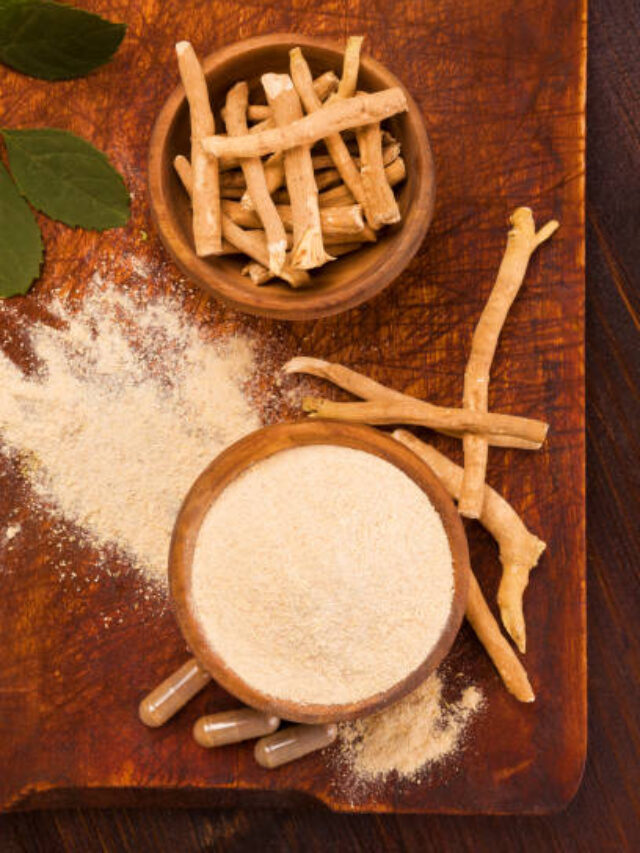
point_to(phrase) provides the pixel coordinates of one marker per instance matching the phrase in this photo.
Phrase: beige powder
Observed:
(419, 731)
(128, 405)
(322, 574)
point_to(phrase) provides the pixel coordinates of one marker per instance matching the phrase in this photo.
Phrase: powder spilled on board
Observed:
(127, 406)
(409, 737)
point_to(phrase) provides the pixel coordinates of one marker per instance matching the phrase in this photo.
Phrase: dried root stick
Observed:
(350, 68)
(339, 224)
(308, 249)
(389, 154)
(350, 380)
(274, 176)
(253, 171)
(519, 549)
(362, 386)
(501, 653)
(333, 118)
(254, 244)
(522, 242)
(333, 241)
(207, 230)
(440, 418)
(336, 146)
(379, 201)
(274, 167)
(257, 273)
(258, 112)
(395, 173)
(261, 275)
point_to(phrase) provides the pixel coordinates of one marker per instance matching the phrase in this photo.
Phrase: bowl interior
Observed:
(337, 285)
(223, 470)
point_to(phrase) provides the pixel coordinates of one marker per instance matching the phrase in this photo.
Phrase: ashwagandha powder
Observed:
(322, 574)
(128, 404)
(407, 738)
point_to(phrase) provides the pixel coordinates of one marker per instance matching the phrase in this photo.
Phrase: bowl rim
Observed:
(240, 456)
(311, 303)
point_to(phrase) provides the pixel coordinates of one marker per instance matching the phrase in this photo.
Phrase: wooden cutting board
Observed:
(502, 88)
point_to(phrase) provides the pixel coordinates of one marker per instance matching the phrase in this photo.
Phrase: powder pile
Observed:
(322, 574)
(419, 731)
(127, 405)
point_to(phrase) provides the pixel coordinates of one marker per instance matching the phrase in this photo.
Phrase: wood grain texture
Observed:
(500, 88)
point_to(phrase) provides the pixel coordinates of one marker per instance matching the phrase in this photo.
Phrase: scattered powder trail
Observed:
(127, 406)
(409, 737)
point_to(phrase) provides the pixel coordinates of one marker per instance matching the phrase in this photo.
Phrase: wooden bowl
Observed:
(236, 459)
(337, 286)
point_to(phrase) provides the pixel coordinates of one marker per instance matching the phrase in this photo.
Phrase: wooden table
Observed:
(604, 815)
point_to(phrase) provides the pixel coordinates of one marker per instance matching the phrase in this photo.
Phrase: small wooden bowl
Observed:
(337, 286)
(236, 459)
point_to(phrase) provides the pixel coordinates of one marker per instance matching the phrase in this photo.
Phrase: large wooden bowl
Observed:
(337, 286)
(236, 459)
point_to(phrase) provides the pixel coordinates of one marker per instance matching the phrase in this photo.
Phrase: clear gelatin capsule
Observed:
(173, 694)
(233, 727)
(292, 743)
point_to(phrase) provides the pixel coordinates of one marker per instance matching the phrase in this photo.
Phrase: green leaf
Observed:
(65, 177)
(54, 41)
(20, 241)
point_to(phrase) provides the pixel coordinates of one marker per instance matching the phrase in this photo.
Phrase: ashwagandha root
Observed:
(337, 223)
(207, 228)
(333, 118)
(253, 171)
(362, 386)
(308, 250)
(488, 631)
(379, 201)
(522, 242)
(344, 377)
(260, 275)
(395, 173)
(336, 146)
(519, 549)
(254, 244)
(350, 68)
(322, 87)
(390, 153)
(418, 413)
(235, 180)
(258, 112)
(274, 169)
(251, 243)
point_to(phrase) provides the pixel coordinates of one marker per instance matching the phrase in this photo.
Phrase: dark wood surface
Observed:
(604, 815)
(502, 92)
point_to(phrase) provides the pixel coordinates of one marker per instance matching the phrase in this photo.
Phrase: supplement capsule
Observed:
(174, 692)
(233, 726)
(292, 743)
